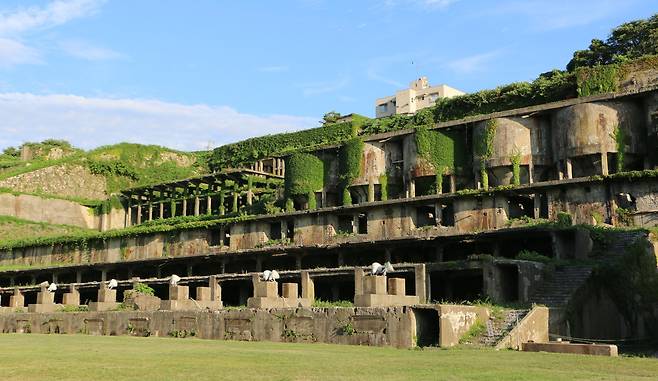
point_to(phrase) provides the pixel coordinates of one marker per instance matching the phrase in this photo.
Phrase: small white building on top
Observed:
(418, 96)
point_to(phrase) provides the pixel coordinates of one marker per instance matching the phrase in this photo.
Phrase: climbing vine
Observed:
(304, 175)
(597, 80)
(383, 185)
(349, 164)
(442, 149)
(620, 141)
(484, 148)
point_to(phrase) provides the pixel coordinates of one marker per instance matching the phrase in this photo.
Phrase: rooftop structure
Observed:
(418, 96)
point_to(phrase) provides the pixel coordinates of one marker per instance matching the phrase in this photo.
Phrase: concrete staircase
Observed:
(617, 243)
(498, 328)
(556, 291)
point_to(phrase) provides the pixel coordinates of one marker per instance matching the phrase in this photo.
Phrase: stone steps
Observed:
(497, 329)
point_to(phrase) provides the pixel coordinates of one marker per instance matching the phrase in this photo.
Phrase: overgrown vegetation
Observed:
(304, 175)
(476, 330)
(484, 139)
(531, 255)
(327, 304)
(350, 163)
(444, 150)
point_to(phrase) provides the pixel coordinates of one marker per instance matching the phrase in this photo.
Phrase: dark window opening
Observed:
(362, 223)
(215, 237)
(425, 216)
(447, 214)
(509, 284)
(275, 231)
(346, 224)
(290, 230)
(456, 286)
(334, 288)
(543, 205)
(521, 206)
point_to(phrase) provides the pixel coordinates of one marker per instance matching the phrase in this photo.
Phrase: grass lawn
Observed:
(79, 357)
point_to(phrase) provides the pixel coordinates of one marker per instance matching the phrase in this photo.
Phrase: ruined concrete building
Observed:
(513, 206)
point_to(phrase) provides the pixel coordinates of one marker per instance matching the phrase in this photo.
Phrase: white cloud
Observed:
(426, 4)
(13, 52)
(474, 63)
(55, 13)
(89, 52)
(90, 122)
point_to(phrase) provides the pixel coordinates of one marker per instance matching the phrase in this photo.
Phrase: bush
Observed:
(564, 219)
(529, 255)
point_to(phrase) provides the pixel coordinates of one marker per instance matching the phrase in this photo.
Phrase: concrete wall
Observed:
(52, 211)
(391, 326)
(533, 327)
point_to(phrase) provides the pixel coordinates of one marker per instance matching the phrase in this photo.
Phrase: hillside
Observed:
(18, 229)
(55, 168)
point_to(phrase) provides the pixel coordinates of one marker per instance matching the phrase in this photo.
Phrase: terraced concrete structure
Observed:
(582, 161)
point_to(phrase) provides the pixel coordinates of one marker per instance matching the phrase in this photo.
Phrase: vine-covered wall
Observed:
(350, 164)
(304, 174)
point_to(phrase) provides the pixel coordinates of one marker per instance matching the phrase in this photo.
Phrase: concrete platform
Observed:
(379, 300)
(277, 302)
(567, 347)
(103, 306)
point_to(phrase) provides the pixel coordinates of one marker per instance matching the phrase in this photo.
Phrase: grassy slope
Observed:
(152, 164)
(14, 228)
(78, 357)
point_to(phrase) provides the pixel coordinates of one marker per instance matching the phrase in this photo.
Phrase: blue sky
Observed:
(196, 74)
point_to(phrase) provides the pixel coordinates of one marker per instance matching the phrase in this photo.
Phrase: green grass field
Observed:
(78, 357)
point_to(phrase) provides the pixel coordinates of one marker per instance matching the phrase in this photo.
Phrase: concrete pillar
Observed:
(421, 283)
(412, 188)
(250, 197)
(569, 168)
(537, 205)
(358, 281)
(560, 170)
(209, 205)
(129, 215)
(150, 211)
(531, 171)
(234, 207)
(438, 213)
(215, 289)
(197, 205)
(161, 210)
(453, 183)
(184, 206)
(604, 164)
(308, 287)
(371, 191)
(139, 213)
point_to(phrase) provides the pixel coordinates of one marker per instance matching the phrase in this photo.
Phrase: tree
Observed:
(330, 117)
(627, 41)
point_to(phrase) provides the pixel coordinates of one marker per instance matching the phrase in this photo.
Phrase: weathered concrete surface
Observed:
(455, 321)
(360, 326)
(52, 211)
(565, 347)
(69, 180)
(533, 327)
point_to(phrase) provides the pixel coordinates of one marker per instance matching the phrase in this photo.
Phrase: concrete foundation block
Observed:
(203, 294)
(45, 297)
(267, 290)
(374, 284)
(290, 291)
(103, 306)
(179, 293)
(105, 295)
(566, 347)
(264, 302)
(71, 299)
(396, 286)
(379, 300)
(17, 301)
(42, 308)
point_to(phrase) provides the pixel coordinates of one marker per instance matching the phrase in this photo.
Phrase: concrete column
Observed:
(358, 281)
(129, 215)
(215, 289)
(308, 287)
(604, 164)
(209, 205)
(412, 188)
(569, 168)
(537, 205)
(371, 191)
(161, 210)
(531, 171)
(250, 197)
(139, 213)
(150, 212)
(184, 206)
(235, 206)
(197, 205)
(560, 170)
(421, 284)
(453, 183)
(438, 213)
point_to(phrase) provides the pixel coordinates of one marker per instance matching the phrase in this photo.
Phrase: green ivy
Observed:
(350, 163)
(484, 148)
(304, 174)
(443, 149)
(620, 141)
(383, 185)
(515, 159)
(597, 80)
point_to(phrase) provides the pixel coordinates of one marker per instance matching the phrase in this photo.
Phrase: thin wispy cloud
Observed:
(471, 64)
(14, 52)
(426, 4)
(18, 25)
(547, 15)
(55, 13)
(323, 87)
(90, 122)
(89, 52)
